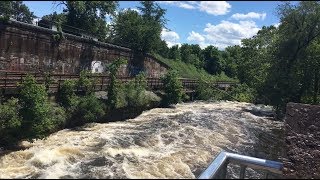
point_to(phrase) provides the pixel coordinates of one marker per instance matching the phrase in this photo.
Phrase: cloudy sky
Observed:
(218, 23)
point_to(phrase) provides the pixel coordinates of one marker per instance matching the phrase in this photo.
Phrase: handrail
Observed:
(218, 167)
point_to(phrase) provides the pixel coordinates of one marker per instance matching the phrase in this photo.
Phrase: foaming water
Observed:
(160, 143)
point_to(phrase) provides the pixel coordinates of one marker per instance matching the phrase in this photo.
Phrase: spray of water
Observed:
(160, 143)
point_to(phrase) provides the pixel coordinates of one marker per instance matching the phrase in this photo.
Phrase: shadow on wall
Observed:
(86, 58)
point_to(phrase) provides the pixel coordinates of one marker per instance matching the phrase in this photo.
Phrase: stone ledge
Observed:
(302, 125)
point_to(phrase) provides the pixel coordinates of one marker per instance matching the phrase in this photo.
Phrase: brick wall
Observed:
(25, 47)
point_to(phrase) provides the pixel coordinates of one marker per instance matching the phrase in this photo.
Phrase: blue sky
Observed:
(218, 23)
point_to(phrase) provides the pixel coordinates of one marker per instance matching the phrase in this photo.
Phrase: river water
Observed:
(160, 143)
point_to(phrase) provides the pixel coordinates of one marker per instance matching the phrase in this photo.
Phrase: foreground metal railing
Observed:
(218, 167)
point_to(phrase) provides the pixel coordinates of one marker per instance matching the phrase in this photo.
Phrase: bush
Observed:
(204, 91)
(10, 122)
(66, 96)
(173, 88)
(115, 89)
(85, 82)
(243, 93)
(59, 117)
(35, 109)
(89, 109)
(135, 92)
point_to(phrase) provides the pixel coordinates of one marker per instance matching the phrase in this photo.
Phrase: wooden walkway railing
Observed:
(10, 80)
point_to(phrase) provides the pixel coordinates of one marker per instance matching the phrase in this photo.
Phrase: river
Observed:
(160, 143)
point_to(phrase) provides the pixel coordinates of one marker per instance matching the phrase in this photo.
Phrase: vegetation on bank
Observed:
(32, 115)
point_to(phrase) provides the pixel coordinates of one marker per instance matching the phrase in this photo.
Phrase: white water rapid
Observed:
(160, 143)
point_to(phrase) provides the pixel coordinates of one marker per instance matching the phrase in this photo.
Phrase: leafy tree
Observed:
(212, 57)
(66, 96)
(89, 109)
(290, 76)
(10, 122)
(173, 88)
(36, 110)
(231, 56)
(203, 90)
(174, 53)
(139, 32)
(115, 87)
(16, 10)
(163, 49)
(89, 15)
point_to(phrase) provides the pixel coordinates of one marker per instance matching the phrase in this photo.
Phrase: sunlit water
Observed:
(160, 143)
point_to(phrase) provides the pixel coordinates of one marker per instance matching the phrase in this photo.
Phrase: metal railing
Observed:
(218, 167)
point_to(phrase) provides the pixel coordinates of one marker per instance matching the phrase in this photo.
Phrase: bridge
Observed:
(9, 81)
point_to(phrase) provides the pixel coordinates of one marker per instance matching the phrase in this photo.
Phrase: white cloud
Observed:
(276, 25)
(193, 36)
(133, 9)
(210, 7)
(250, 15)
(215, 7)
(225, 34)
(185, 4)
(171, 37)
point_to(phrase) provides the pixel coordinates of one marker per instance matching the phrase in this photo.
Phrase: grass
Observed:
(190, 71)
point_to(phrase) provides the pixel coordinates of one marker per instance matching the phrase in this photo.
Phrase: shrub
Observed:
(66, 96)
(85, 82)
(35, 109)
(243, 93)
(173, 88)
(89, 109)
(59, 117)
(204, 91)
(115, 89)
(135, 92)
(47, 81)
(10, 122)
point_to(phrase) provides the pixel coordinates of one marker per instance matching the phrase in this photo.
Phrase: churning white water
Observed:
(160, 143)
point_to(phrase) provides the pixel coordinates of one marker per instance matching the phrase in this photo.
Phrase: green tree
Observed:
(139, 32)
(174, 53)
(115, 87)
(36, 110)
(291, 76)
(173, 88)
(10, 122)
(16, 10)
(89, 15)
(212, 60)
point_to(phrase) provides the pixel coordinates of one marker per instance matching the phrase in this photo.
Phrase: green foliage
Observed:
(139, 32)
(10, 122)
(243, 93)
(115, 88)
(89, 109)
(16, 10)
(66, 96)
(186, 70)
(47, 81)
(89, 15)
(35, 109)
(135, 92)
(85, 82)
(204, 90)
(173, 88)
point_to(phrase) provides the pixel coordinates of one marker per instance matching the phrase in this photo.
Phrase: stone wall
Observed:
(29, 48)
(302, 128)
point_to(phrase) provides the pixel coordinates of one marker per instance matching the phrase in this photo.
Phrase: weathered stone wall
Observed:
(302, 128)
(25, 47)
